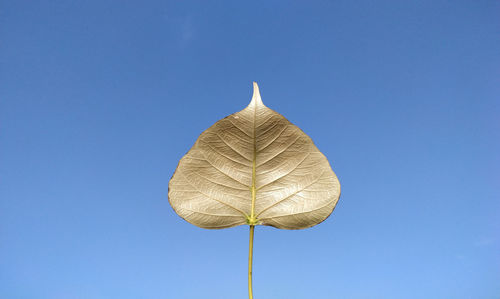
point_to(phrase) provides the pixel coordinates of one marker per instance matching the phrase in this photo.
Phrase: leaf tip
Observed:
(256, 99)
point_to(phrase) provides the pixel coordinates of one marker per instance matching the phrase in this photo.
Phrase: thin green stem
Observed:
(250, 257)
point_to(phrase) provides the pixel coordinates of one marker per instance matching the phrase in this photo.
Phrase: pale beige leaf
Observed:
(254, 167)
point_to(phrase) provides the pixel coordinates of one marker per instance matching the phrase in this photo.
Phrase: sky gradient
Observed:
(100, 99)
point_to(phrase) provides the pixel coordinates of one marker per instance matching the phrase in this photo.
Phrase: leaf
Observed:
(254, 167)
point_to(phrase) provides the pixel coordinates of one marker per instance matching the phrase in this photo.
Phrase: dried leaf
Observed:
(254, 167)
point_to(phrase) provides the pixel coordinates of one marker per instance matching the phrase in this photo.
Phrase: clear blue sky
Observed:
(100, 99)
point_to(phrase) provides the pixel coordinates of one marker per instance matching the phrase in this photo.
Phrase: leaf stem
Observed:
(250, 258)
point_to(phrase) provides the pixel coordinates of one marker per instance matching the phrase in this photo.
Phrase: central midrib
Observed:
(253, 220)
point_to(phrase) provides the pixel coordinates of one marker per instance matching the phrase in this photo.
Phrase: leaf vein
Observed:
(296, 167)
(289, 196)
(275, 138)
(227, 175)
(234, 149)
(212, 198)
(238, 128)
(203, 213)
(221, 154)
(279, 153)
(298, 213)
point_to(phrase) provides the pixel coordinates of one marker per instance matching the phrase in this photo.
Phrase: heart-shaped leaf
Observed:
(254, 167)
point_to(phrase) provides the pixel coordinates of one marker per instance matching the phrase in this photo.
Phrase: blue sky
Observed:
(100, 99)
